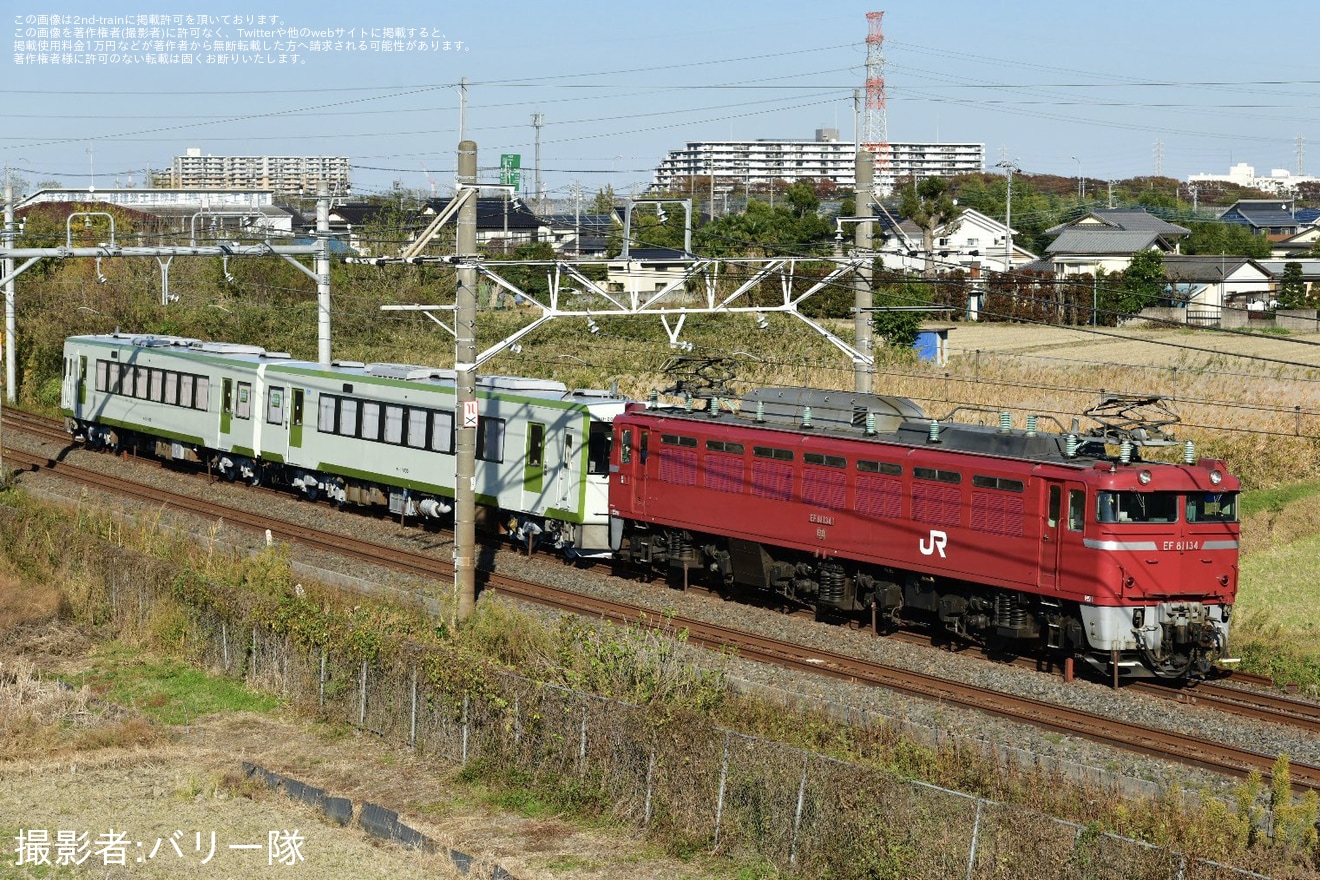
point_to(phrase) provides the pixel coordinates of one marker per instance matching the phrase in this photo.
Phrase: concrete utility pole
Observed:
(864, 174)
(323, 273)
(465, 386)
(1008, 215)
(537, 121)
(11, 331)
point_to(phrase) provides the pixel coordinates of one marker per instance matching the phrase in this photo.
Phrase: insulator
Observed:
(687, 402)
(713, 408)
(1031, 426)
(760, 411)
(934, 431)
(654, 400)
(1189, 452)
(1070, 445)
(806, 417)
(870, 423)
(1125, 452)
(1005, 421)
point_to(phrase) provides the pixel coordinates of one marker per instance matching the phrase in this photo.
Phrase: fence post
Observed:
(1298, 411)
(650, 775)
(517, 723)
(724, 778)
(582, 744)
(224, 642)
(412, 728)
(976, 832)
(362, 697)
(797, 816)
(463, 760)
(320, 702)
(252, 668)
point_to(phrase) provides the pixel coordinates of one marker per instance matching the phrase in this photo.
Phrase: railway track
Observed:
(1167, 745)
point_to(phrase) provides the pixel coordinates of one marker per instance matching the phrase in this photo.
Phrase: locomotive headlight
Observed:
(1216, 477)
(1144, 478)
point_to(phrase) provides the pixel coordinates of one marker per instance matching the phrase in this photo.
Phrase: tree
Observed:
(929, 205)
(603, 203)
(1231, 239)
(898, 329)
(1143, 283)
(1293, 292)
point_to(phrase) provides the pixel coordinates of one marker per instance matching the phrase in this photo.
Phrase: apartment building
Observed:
(757, 162)
(285, 175)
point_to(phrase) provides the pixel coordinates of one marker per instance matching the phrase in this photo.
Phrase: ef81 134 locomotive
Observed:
(853, 502)
(352, 433)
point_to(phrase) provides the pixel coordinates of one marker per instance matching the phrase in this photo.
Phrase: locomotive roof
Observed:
(255, 354)
(990, 440)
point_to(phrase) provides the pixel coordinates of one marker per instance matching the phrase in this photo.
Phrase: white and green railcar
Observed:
(356, 434)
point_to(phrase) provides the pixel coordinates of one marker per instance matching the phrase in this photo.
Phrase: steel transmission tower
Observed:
(875, 126)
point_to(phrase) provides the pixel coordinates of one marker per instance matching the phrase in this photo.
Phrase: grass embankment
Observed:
(143, 674)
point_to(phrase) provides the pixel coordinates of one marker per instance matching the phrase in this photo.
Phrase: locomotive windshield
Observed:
(1137, 507)
(1212, 507)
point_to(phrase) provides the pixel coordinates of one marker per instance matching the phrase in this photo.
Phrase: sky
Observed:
(1108, 91)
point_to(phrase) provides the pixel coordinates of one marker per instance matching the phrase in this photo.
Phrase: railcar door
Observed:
(534, 466)
(296, 421)
(567, 480)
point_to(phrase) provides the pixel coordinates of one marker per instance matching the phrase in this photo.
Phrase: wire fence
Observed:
(692, 783)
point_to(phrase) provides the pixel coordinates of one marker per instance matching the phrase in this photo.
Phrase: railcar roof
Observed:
(348, 370)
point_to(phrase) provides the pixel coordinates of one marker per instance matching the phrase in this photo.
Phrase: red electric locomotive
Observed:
(851, 502)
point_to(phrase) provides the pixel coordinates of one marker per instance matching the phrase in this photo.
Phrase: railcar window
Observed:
(725, 446)
(393, 424)
(938, 476)
(536, 445)
(490, 440)
(141, 383)
(599, 439)
(442, 432)
(1212, 507)
(243, 409)
(771, 452)
(879, 467)
(1002, 483)
(172, 388)
(158, 385)
(1076, 509)
(185, 389)
(275, 405)
(817, 458)
(1137, 507)
(202, 393)
(370, 420)
(417, 419)
(348, 417)
(325, 422)
(678, 440)
(102, 376)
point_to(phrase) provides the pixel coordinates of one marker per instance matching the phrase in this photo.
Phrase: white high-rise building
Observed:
(757, 162)
(286, 175)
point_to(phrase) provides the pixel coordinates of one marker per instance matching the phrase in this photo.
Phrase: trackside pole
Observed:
(465, 368)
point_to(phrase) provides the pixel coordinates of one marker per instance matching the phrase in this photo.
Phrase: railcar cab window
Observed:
(600, 436)
(1136, 507)
(1212, 507)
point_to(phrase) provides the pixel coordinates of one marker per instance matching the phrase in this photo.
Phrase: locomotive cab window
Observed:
(1136, 507)
(625, 446)
(1205, 507)
(1076, 509)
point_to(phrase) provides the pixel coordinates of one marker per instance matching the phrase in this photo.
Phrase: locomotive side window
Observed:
(879, 467)
(678, 440)
(1212, 507)
(724, 473)
(938, 476)
(1002, 483)
(770, 452)
(725, 446)
(1137, 507)
(817, 458)
(1076, 509)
